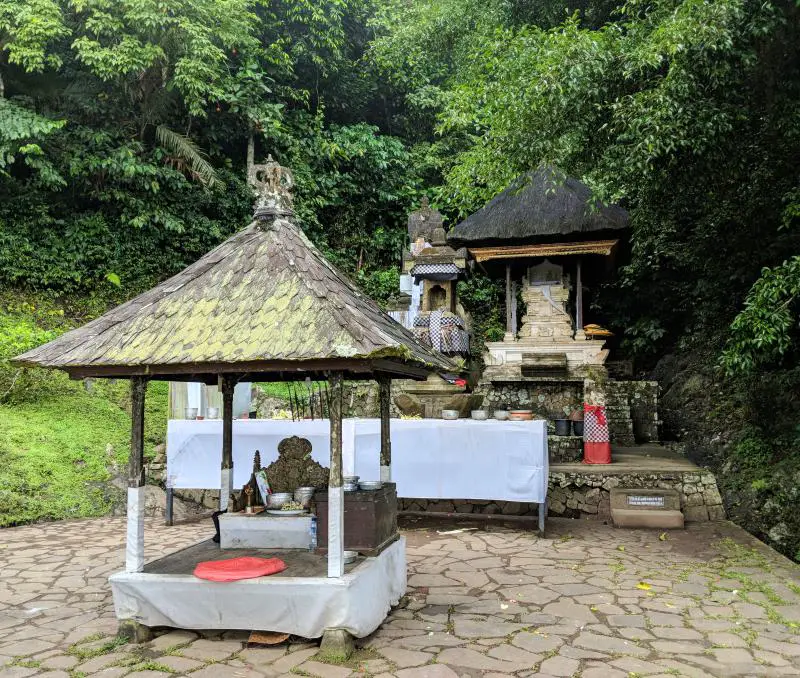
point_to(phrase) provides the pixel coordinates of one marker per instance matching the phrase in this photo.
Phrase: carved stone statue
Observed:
(295, 468)
(273, 185)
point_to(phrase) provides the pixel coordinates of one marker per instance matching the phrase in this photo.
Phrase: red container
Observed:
(596, 444)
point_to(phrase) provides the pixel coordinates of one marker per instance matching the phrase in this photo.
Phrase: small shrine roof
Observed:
(538, 206)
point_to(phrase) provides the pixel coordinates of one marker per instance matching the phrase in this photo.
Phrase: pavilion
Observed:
(265, 305)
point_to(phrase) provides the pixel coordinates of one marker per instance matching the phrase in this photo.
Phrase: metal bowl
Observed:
(350, 487)
(278, 499)
(190, 413)
(450, 415)
(212, 413)
(350, 557)
(370, 485)
(351, 479)
(479, 415)
(501, 415)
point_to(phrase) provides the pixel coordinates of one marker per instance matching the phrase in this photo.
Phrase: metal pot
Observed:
(562, 427)
(577, 427)
(278, 499)
(212, 413)
(303, 495)
(190, 413)
(350, 487)
(479, 415)
(450, 414)
(501, 415)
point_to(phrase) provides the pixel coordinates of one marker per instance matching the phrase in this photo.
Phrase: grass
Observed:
(56, 449)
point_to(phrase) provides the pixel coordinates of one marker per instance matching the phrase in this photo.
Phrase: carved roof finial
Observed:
(273, 184)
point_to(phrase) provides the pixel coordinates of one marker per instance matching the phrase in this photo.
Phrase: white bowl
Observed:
(501, 415)
(449, 414)
(479, 415)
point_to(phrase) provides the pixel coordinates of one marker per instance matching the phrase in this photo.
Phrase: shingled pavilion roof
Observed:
(540, 206)
(264, 303)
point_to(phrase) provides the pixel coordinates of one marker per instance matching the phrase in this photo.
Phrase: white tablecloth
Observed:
(431, 458)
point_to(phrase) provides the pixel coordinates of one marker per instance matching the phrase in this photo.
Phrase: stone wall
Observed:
(549, 400)
(564, 449)
(587, 496)
(641, 397)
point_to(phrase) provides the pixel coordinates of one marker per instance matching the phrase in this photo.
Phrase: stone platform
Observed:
(578, 490)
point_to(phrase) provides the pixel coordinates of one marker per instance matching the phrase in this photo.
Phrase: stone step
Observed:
(640, 507)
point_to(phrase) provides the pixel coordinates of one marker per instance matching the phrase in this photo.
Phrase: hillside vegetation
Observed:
(124, 129)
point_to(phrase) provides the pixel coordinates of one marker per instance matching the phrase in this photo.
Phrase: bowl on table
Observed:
(520, 415)
(501, 415)
(212, 413)
(278, 499)
(190, 413)
(449, 415)
(479, 415)
(349, 557)
(370, 485)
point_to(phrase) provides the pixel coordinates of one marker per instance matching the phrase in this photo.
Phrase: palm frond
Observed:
(185, 149)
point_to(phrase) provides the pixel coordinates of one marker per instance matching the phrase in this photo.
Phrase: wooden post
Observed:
(579, 333)
(385, 393)
(514, 308)
(134, 553)
(335, 491)
(226, 473)
(509, 329)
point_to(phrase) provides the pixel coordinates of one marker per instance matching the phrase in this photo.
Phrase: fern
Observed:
(186, 150)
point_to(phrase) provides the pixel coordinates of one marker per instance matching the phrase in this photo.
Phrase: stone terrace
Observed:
(588, 601)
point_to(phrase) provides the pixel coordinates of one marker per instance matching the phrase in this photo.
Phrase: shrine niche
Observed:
(295, 468)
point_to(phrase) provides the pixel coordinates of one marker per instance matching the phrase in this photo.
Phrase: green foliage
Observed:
(764, 331)
(381, 285)
(483, 298)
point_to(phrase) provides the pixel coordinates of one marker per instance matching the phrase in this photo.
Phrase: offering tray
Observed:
(279, 512)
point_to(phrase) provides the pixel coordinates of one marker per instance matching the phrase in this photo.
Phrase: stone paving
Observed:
(588, 601)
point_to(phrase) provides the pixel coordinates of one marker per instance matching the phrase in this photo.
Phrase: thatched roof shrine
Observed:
(265, 304)
(540, 206)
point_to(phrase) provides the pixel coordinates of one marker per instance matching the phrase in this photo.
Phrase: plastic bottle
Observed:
(312, 543)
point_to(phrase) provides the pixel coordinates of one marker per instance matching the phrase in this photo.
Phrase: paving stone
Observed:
(473, 628)
(261, 656)
(405, 658)
(211, 650)
(732, 656)
(222, 671)
(517, 656)
(288, 662)
(429, 671)
(172, 639)
(532, 593)
(559, 666)
(61, 661)
(537, 643)
(470, 659)
(180, 664)
(593, 641)
(324, 670)
(564, 609)
(676, 633)
(669, 647)
(629, 620)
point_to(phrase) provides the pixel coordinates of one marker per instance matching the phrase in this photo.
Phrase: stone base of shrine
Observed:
(300, 601)
(577, 490)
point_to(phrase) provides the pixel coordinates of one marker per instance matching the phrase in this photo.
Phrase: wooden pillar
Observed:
(385, 393)
(335, 491)
(579, 333)
(514, 308)
(134, 552)
(509, 328)
(226, 473)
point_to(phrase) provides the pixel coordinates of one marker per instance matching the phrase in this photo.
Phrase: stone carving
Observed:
(273, 185)
(423, 222)
(295, 468)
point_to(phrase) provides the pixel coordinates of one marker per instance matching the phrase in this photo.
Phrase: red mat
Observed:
(238, 568)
